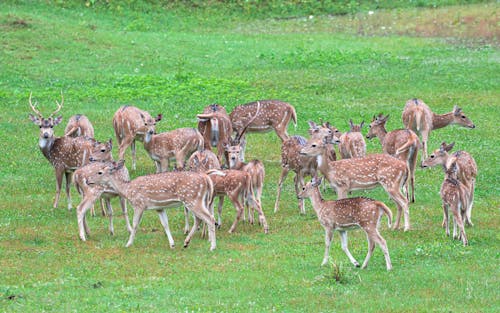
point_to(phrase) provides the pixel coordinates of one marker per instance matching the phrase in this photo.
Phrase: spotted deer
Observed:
(178, 143)
(418, 117)
(79, 125)
(66, 154)
(237, 186)
(466, 172)
(362, 174)
(302, 165)
(352, 144)
(400, 143)
(345, 214)
(131, 124)
(101, 152)
(215, 126)
(159, 192)
(454, 197)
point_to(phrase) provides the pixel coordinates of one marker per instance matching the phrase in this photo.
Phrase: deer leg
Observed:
(262, 217)
(135, 225)
(125, 143)
(134, 158)
(402, 204)
(468, 212)
(458, 221)
(68, 191)
(239, 212)
(298, 181)
(343, 241)
(186, 221)
(196, 224)
(204, 215)
(81, 209)
(425, 137)
(371, 247)
(110, 215)
(378, 239)
(123, 204)
(219, 211)
(59, 178)
(164, 222)
(446, 219)
(284, 173)
(413, 165)
(328, 242)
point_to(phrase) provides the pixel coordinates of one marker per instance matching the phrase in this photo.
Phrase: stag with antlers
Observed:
(66, 154)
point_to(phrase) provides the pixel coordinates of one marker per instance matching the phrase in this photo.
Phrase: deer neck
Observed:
(46, 145)
(121, 186)
(316, 200)
(148, 140)
(441, 120)
(381, 133)
(322, 162)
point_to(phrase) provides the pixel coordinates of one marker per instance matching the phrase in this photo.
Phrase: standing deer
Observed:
(237, 186)
(302, 165)
(215, 126)
(400, 143)
(454, 196)
(352, 144)
(467, 171)
(79, 125)
(363, 174)
(178, 143)
(266, 115)
(66, 154)
(131, 124)
(160, 191)
(101, 152)
(345, 214)
(418, 117)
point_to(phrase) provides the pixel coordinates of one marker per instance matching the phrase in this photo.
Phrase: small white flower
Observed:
(370, 12)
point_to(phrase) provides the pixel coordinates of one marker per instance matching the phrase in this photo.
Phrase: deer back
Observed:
(79, 125)
(181, 139)
(272, 114)
(203, 160)
(417, 116)
(130, 121)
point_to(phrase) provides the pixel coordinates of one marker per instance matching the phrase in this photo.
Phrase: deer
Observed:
(400, 143)
(101, 152)
(301, 165)
(363, 174)
(65, 153)
(237, 186)
(161, 191)
(215, 126)
(418, 117)
(79, 125)
(352, 144)
(467, 171)
(130, 124)
(345, 214)
(454, 196)
(178, 143)
(266, 115)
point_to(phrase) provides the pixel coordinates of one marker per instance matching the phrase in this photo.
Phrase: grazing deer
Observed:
(301, 165)
(418, 117)
(79, 125)
(467, 171)
(454, 196)
(400, 143)
(101, 152)
(363, 174)
(237, 186)
(131, 124)
(160, 191)
(352, 144)
(66, 154)
(345, 214)
(215, 126)
(178, 143)
(257, 172)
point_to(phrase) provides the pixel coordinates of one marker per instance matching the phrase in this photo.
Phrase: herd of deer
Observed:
(198, 176)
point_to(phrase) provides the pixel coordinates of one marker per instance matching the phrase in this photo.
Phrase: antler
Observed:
(238, 136)
(59, 105)
(33, 107)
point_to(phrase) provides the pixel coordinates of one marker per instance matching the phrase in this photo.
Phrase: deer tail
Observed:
(294, 116)
(418, 120)
(386, 211)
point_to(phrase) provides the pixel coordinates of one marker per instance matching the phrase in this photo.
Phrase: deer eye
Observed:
(103, 150)
(432, 156)
(40, 126)
(303, 188)
(314, 146)
(51, 126)
(463, 116)
(100, 172)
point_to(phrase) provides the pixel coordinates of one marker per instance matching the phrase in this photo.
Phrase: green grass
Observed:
(178, 60)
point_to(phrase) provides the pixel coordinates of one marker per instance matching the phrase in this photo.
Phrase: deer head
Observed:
(460, 118)
(150, 126)
(46, 124)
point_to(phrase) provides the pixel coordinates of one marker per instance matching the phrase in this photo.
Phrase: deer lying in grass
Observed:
(362, 174)
(65, 154)
(237, 186)
(400, 143)
(131, 124)
(79, 125)
(178, 143)
(345, 214)
(454, 196)
(352, 144)
(159, 192)
(467, 171)
(418, 117)
(215, 126)
(101, 152)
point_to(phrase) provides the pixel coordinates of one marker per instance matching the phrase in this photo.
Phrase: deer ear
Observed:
(110, 143)
(449, 147)
(361, 125)
(159, 117)
(456, 110)
(351, 123)
(35, 119)
(386, 117)
(119, 165)
(57, 120)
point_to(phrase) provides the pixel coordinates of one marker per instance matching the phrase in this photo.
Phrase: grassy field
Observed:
(176, 61)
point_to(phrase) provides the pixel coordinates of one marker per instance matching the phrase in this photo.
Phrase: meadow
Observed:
(332, 63)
